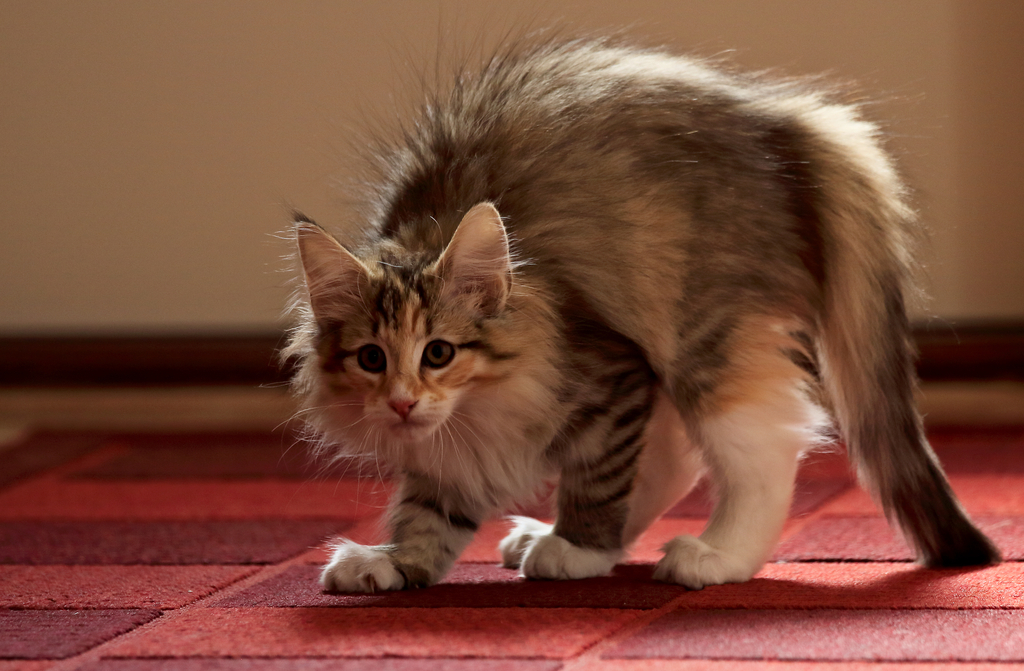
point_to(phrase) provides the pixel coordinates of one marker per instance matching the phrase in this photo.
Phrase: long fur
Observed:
(736, 246)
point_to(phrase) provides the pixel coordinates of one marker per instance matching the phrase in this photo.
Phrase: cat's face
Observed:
(401, 342)
(402, 363)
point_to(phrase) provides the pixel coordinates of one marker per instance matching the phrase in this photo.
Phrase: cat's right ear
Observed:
(335, 279)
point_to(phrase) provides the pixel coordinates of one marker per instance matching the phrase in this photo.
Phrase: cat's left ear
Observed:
(476, 264)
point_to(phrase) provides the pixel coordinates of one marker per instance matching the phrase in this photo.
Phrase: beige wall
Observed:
(985, 251)
(151, 149)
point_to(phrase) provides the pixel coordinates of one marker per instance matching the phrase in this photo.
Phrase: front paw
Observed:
(693, 563)
(360, 568)
(525, 532)
(552, 557)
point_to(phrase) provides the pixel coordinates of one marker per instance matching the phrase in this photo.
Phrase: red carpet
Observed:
(140, 552)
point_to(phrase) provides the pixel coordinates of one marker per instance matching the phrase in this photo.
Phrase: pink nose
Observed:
(402, 406)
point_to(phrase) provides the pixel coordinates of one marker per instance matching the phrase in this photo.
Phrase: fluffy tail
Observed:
(865, 347)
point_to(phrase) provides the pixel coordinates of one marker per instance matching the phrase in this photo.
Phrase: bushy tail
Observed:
(865, 347)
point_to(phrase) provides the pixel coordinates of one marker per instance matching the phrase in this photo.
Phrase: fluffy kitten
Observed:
(621, 268)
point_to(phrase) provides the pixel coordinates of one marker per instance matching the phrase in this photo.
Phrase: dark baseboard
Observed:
(976, 351)
(142, 360)
(992, 350)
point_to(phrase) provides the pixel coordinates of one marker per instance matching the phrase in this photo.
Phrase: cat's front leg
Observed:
(429, 529)
(360, 568)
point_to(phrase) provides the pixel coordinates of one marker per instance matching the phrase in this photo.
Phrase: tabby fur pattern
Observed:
(620, 269)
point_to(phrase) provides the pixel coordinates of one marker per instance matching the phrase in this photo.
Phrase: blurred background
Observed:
(151, 150)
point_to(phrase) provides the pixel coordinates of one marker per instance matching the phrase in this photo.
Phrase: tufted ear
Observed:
(336, 280)
(476, 266)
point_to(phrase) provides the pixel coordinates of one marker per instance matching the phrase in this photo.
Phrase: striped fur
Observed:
(639, 268)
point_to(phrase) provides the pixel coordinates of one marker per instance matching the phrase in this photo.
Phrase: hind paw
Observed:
(525, 532)
(693, 563)
(552, 557)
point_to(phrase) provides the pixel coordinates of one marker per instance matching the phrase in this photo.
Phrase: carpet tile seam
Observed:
(165, 520)
(50, 471)
(263, 573)
(61, 662)
(428, 608)
(838, 560)
(819, 659)
(244, 573)
(593, 653)
(103, 450)
(335, 658)
(260, 554)
(95, 653)
(782, 661)
(848, 609)
(324, 658)
(617, 616)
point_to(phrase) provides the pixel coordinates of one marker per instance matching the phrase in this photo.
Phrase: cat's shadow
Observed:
(838, 585)
(835, 592)
(847, 586)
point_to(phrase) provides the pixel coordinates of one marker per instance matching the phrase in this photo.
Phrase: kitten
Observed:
(620, 268)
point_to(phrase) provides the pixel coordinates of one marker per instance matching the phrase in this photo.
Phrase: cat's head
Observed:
(401, 336)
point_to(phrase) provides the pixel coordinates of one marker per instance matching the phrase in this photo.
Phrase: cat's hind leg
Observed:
(599, 450)
(759, 423)
(525, 532)
(669, 466)
(535, 548)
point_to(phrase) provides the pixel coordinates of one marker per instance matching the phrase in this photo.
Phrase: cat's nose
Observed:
(402, 406)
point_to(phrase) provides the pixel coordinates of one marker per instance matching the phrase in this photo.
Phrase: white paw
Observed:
(360, 568)
(694, 564)
(554, 558)
(525, 532)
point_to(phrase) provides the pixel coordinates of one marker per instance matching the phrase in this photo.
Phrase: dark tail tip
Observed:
(961, 544)
(937, 526)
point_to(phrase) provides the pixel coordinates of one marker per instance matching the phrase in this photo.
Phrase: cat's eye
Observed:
(438, 353)
(371, 358)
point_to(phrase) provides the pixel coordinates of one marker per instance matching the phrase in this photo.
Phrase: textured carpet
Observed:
(142, 552)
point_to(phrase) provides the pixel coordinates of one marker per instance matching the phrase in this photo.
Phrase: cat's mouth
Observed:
(411, 428)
